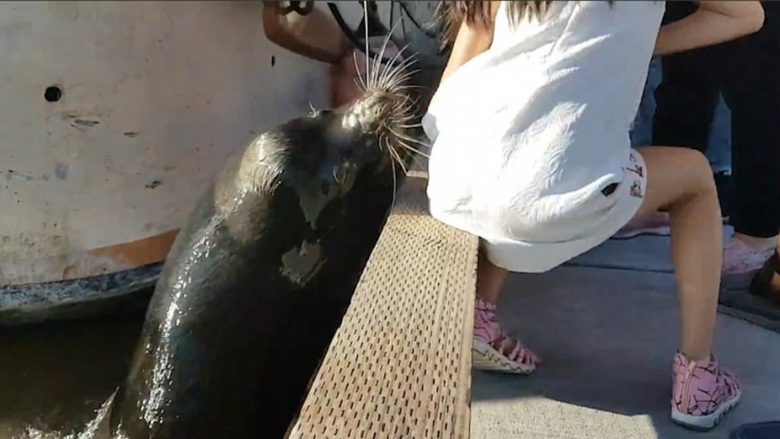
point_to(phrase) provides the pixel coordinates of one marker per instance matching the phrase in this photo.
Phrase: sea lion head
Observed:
(377, 124)
(321, 154)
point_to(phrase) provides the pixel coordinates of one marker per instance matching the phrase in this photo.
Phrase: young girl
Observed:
(531, 153)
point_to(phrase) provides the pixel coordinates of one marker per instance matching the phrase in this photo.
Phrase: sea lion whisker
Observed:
(401, 52)
(409, 102)
(412, 140)
(408, 60)
(413, 149)
(381, 55)
(409, 148)
(404, 119)
(409, 87)
(357, 70)
(393, 60)
(396, 156)
(393, 154)
(384, 140)
(365, 41)
(405, 62)
(389, 71)
(395, 186)
(404, 123)
(409, 139)
(413, 156)
(359, 84)
(406, 107)
(375, 84)
(398, 54)
(376, 68)
(403, 114)
(335, 175)
(398, 79)
(417, 162)
(403, 164)
(392, 148)
(378, 62)
(392, 71)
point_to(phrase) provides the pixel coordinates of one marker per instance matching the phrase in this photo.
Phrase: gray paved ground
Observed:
(607, 338)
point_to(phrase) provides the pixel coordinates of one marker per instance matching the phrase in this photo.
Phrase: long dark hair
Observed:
(477, 13)
(450, 14)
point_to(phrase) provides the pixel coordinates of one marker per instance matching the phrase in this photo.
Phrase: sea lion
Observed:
(259, 278)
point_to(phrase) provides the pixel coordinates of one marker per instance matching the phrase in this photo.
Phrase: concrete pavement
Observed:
(607, 337)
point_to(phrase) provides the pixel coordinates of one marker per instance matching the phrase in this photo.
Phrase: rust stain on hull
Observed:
(141, 252)
(47, 264)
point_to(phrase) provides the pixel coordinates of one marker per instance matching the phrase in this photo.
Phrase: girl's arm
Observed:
(314, 35)
(470, 42)
(713, 23)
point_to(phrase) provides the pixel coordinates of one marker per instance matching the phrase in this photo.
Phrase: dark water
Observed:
(54, 376)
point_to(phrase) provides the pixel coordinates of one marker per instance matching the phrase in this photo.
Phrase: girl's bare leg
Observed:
(680, 182)
(490, 279)
(493, 349)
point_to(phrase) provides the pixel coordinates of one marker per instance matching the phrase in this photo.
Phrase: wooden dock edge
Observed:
(400, 364)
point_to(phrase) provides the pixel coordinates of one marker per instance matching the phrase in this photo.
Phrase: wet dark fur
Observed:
(248, 339)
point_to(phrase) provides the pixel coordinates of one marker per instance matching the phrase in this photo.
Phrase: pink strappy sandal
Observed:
(495, 351)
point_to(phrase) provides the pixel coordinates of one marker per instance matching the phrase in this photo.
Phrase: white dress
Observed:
(531, 148)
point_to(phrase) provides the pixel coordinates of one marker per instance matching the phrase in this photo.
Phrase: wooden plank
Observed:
(400, 364)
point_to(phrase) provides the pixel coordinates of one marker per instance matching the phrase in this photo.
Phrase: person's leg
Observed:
(752, 91)
(685, 101)
(680, 182)
(490, 279)
(493, 349)
(719, 148)
(774, 284)
(719, 155)
(641, 128)
(766, 282)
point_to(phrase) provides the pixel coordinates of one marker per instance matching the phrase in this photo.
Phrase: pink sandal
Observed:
(703, 392)
(495, 351)
(740, 259)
